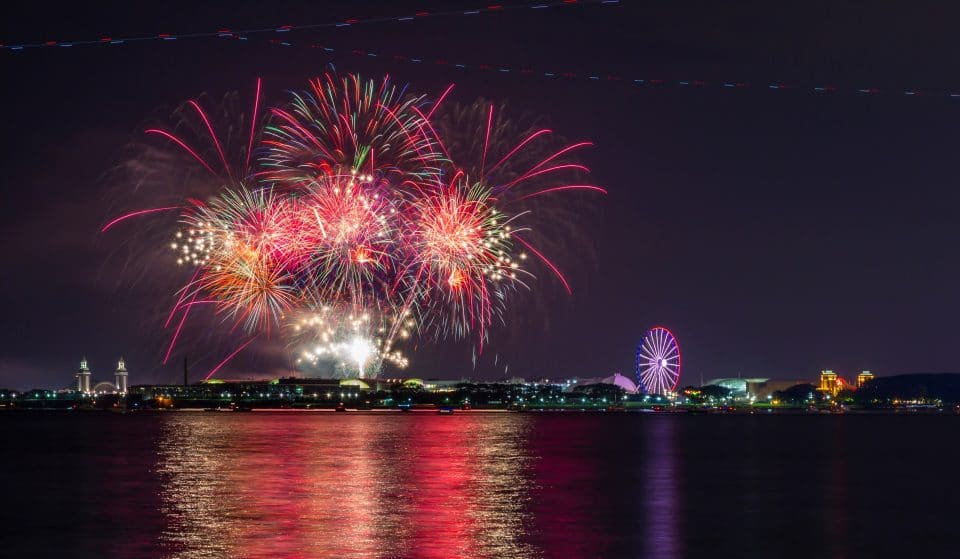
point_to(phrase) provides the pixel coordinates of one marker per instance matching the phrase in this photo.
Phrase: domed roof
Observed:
(104, 387)
(621, 381)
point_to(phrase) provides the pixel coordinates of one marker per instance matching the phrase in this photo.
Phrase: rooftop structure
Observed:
(120, 377)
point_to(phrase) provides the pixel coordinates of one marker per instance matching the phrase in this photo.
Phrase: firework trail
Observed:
(343, 124)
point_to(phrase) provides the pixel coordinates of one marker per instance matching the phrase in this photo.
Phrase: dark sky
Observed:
(775, 232)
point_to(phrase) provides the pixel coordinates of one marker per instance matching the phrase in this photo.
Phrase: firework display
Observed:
(353, 229)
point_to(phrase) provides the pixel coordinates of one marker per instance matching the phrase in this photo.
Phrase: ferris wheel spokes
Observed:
(658, 361)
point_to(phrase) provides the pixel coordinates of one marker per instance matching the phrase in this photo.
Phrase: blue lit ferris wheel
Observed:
(658, 361)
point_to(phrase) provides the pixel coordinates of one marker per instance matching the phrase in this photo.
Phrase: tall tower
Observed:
(83, 377)
(120, 377)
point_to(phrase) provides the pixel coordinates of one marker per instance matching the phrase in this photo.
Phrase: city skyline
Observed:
(86, 377)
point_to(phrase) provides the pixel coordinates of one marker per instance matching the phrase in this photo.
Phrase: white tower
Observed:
(120, 377)
(83, 377)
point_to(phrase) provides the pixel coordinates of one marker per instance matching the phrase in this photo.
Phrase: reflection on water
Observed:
(661, 500)
(390, 485)
(197, 495)
(358, 486)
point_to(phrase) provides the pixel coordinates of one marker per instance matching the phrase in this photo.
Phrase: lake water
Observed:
(318, 485)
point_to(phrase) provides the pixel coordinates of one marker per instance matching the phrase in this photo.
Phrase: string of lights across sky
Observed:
(606, 77)
(246, 34)
(270, 35)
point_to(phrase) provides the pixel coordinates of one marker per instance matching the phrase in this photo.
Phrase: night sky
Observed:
(775, 232)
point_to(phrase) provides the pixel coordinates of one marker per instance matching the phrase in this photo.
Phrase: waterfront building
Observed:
(276, 393)
(120, 377)
(739, 387)
(863, 377)
(830, 383)
(754, 388)
(430, 385)
(83, 377)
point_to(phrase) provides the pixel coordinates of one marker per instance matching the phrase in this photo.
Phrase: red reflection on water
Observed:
(443, 469)
(341, 485)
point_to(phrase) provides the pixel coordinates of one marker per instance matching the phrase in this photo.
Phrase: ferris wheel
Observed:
(658, 361)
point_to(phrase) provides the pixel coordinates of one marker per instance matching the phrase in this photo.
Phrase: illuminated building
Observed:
(831, 383)
(863, 377)
(120, 377)
(828, 382)
(83, 377)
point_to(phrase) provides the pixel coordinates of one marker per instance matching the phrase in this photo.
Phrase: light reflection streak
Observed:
(195, 488)
(662, 501)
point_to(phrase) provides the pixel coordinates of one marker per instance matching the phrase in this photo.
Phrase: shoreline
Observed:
(548, 411)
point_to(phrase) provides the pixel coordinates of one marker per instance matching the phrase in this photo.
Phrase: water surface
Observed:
(373, 485)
